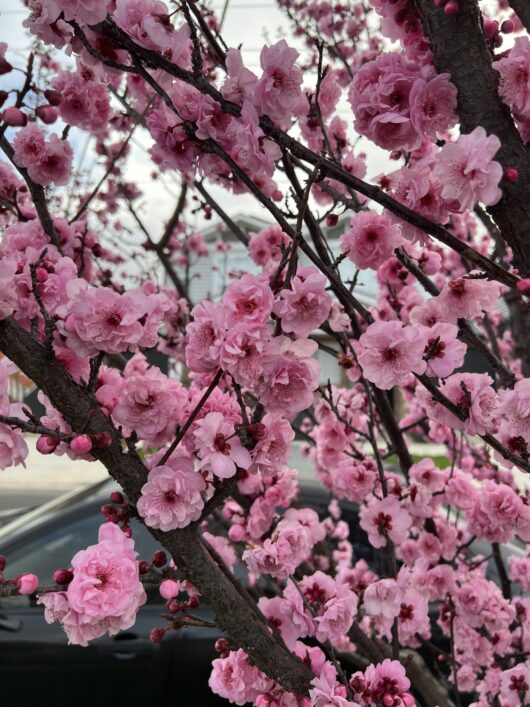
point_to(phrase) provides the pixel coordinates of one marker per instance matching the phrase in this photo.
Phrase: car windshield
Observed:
(43, 554)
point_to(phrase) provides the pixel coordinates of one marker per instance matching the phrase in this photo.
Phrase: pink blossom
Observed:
(171, 498)
(305, 305)
(8, 300)
(290, 375)
(396, 103)
(151, 405)
(468, 171)
(45, 24)
(495, 512)
(248, 301)
(99, 319)
(468, 297)
(326, 690)
(106, 585)
(236, 680)
(370, 240)
(279, 88)
(281, 554)
(515, 685)
(385, 519)
(240, 83)
(515, 77)
(353, 480)
(89, 11)
(472, 394)
(336, 616)
(433, 105)
(382, 599)
(426, 473)
(274, 443)
(387, 683)
(214, 123)
(240, 351)
(46, 161)
(264, 246)
(84, 102)
(443, 351)
(514, 410)
(146, 21)
(205, 335)
(13, 447)
(219, 447)
(387, 352)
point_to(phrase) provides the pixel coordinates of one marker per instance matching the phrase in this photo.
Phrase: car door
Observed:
(36, 663)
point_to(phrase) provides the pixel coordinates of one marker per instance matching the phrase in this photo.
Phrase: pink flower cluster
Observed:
(468, 171)
(319, 606)
(105, 593)
(46, 161)
(397, 104)
(370, 240)
(172, 498)
(100, 319)
(235, 335)
(13, 447)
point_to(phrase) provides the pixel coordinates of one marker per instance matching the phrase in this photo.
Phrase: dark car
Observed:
(38, 666)
(36, 663)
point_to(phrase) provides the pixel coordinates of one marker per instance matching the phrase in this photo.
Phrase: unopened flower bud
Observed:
(157, 634)
(48, 114)
(14, 117)
(117, 497)
(511, 174)
(143, 567)
(523, 286)
(47, 444)
(451, 8)
(159, 558)
(81, 444)
(27, 584)
(63, 576)
(169, 589)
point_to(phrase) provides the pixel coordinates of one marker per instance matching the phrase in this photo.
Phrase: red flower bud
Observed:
(14, 117)
(451, 8)
(157, 634)
(48, 114)
(159, 558)
(81, 444)
(511, 174)
(47, 444)
(63, 576)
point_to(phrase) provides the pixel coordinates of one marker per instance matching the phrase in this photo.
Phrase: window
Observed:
(57, 545)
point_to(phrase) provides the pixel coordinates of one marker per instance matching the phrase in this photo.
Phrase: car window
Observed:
(53, 546)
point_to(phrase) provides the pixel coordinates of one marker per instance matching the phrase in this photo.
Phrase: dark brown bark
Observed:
(461, 50)
(235, 611)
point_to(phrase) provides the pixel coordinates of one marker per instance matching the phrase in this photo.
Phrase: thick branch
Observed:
(460, 49)
(236, 613)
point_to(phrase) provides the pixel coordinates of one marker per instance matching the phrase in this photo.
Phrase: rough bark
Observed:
(461, 50)
(235, 611)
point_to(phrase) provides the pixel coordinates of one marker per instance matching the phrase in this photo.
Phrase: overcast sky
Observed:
(248, 23)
